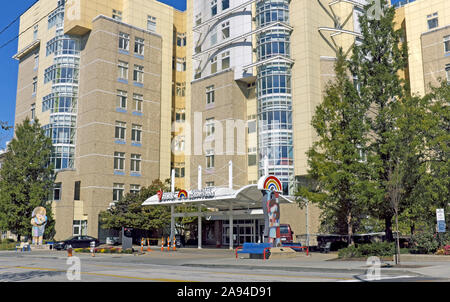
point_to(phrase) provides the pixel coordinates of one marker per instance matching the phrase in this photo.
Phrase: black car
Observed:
(76, 242)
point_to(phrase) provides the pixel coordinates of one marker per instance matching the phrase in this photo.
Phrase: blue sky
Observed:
(9, 66)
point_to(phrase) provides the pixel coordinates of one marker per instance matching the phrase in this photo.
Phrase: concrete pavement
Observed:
(218, 261)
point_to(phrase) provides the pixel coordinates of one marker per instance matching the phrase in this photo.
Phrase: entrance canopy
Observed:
(248, 197)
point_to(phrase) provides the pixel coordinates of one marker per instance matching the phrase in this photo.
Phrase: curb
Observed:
(387, 271)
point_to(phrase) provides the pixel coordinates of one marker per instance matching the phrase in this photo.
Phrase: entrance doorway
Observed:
(243, 231)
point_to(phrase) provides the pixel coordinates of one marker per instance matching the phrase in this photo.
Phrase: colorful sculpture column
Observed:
(270, 187)
(38, 221)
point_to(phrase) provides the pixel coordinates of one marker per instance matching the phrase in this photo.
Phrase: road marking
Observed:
(99, 274)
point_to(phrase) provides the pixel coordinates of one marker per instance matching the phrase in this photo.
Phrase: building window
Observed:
(118, 190)
(138, 100)
(135, 163)
(210, 159)
(251, 126)
(122, 97)
(180, 116)
(181, 64)
(210, 127)
(251, 160)
(213, 8)
(124, 41)
(119, 161)
(432, 21)
(447, 44)
(180, 89)
(198, 19)
(178, 143)
(139, 46)
(34, 85)
(226, 60)
(36, 61)
(210, 94)
(135, 189)
(79, 227)
(225, 30)
(213, 36)
(225, 4)
(214, 65)
(447, 72)
(117, 15)
(123, 70)
(179, 172)
(136, 133)
(121, 128)
(209, 184)
(77, 190)
(33, 111)
(35, 32)
(57, 191)
(151, 23)
(138, 74)
(181, 39)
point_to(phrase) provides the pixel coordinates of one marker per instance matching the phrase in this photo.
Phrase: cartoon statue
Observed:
(38, 221)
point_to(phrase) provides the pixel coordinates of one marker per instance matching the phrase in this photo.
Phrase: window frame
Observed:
(119, 161)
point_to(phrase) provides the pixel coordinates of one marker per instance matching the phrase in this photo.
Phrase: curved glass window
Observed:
(63, 45)
(61, 129)
(56, 102)
(56, 18)
(271, 11)
(274, 78)
(65, 70)
(273, 43)
(63, 157)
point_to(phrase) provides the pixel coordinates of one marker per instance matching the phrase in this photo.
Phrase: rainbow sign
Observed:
(270, 183)
(182, 194)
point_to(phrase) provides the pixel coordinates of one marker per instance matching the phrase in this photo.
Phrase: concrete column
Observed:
(172, 222)
(230, 223)
(172, 183)
(200, 227)
(230, 174)
(199, 180)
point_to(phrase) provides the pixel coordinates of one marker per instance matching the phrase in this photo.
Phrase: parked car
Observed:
(286, 233)
(76, 242)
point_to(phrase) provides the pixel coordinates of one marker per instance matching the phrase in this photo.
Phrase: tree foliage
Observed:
(336, 159)
(376, 64)
(129, 212)
(26, 179)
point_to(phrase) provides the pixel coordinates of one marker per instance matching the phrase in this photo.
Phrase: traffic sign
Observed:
(441, 226)
(440, 214)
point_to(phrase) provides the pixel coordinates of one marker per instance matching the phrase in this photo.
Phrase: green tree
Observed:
(433, 181)
(26, 179)
(376, 63)
(129, 211)
(336, 159)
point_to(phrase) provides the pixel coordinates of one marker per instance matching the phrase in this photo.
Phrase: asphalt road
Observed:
(57, 267)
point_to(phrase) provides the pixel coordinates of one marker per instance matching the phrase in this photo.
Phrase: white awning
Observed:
(248, 197)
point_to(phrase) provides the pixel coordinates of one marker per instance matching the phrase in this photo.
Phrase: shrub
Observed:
(380, 249)
(425, 243)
